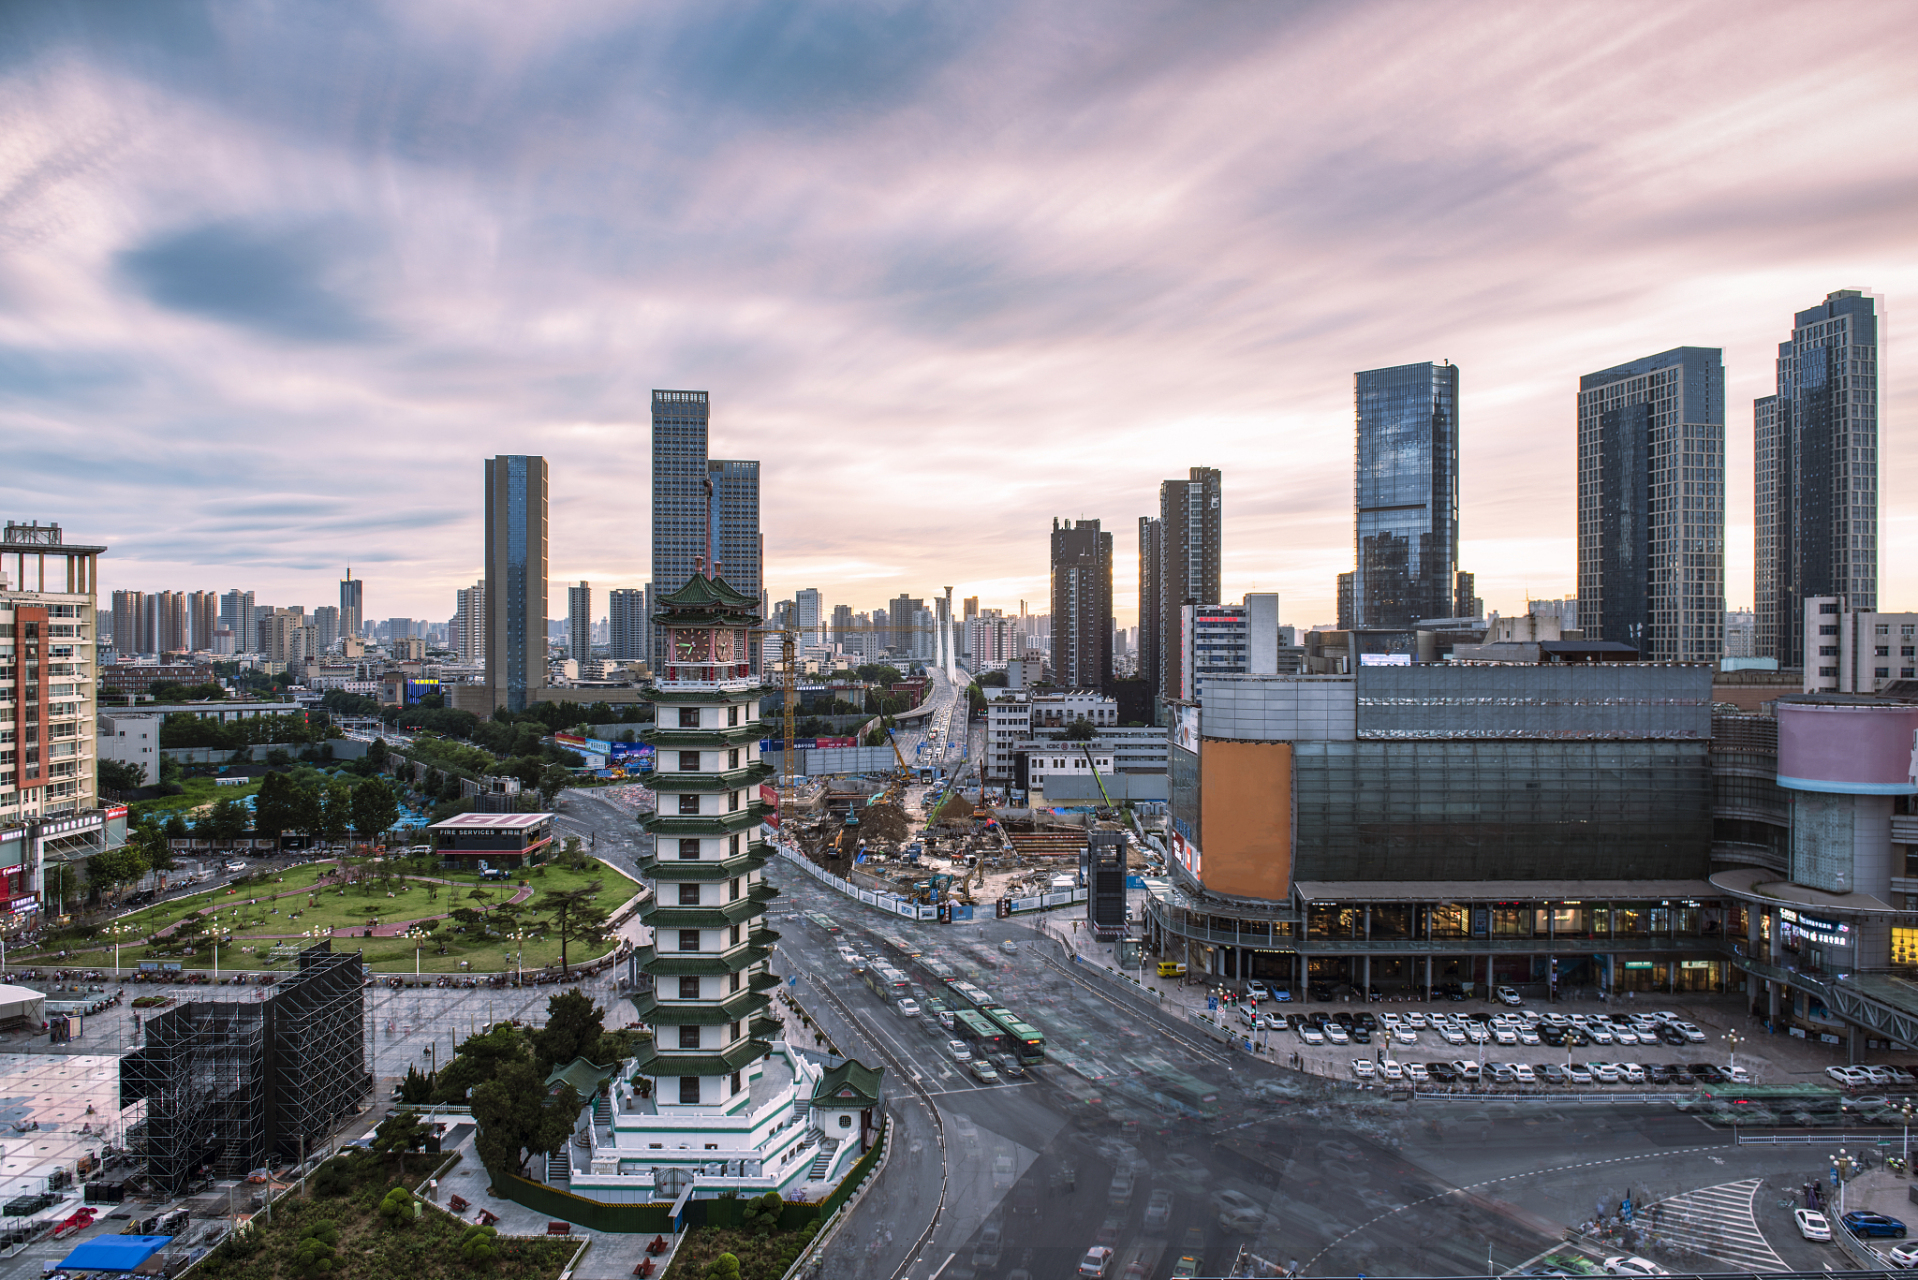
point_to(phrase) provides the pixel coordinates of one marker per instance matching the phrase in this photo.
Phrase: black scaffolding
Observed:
(232, 1086)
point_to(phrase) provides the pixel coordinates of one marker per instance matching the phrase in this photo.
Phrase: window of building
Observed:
(735, 1082)
(734, 985)
(732, 715)
(689, 804)
(689, 1037)
(732, 1032)
(688, 895)
(689, 988)
(1828, 671)
(689, 1090)
(689, 717)
(1881, 651)
(1881, 673)
(688, 850)
(689, 939)
(735, 846)
(735, 932)
(689, 762)
(1828, 631)
(732, 801)
(1883, 629)
(732, 758)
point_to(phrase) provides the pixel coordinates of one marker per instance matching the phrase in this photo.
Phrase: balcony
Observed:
(673, 782)
(676, 739)
(703, 824)
(685, 870)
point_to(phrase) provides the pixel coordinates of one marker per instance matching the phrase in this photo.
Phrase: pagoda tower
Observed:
(706, 977)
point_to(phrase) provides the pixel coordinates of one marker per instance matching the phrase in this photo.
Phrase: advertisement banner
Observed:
(769, 796)
(627, 755)
(1185, 729)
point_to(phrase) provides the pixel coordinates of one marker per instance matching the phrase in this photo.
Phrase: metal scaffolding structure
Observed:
(231, 1085)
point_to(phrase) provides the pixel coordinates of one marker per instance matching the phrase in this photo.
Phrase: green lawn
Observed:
(199, 791)
(258, 920)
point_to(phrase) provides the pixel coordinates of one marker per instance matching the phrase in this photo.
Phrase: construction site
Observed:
(233, 1086)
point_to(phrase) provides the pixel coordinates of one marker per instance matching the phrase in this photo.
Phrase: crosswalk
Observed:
(1720, 1221)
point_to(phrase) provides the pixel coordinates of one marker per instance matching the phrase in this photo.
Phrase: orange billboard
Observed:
(1245, 810)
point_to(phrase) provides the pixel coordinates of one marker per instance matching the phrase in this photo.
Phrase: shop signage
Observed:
(1695, 964)
(1638, 964)
(26, 903)
(1828, 933)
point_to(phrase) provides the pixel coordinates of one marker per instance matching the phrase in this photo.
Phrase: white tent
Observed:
(21, 1002)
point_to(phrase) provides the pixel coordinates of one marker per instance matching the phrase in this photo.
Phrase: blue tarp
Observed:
(114, 1253)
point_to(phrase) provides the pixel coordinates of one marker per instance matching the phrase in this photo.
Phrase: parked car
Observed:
(1364, 1068)
(1508, 995)
(1237, 1211)
(1309, 1034)
(1812, 1224)
(1629, 1265)
(1416, 1072)
(1256, 990)
(1849, 1077)
(1866, 1225)
(1391, 1070)
(1578, 1074)
(1903, 1256)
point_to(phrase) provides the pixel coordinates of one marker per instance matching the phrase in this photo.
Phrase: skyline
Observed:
(255, 326)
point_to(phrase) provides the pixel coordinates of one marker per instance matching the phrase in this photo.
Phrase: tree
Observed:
(518, 1118)
(761, 1214)
(397, 1207)
(573, 915)
(375, 809)
(273, 806)
(399, 1134)
(336, 810)
(228, 820)
(553, 780)
(305, 809)
(573, 1027)
(477, 1247)
(416, 1087)
(118, 775)
(376, 753)
(112, 868)
(724, 1267)
(1081, 730)
(313, 1254)
(176, 826)
(480, 1057)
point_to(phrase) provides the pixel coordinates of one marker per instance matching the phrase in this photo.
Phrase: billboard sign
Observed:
(807, 744)
(769, 796)
(626, 755)
(1186, 852)
(1185, 729)
(1385, 659)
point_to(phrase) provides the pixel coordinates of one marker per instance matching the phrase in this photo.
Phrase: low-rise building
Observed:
(131, 737)
(1856, 650)
(508, 840)
(136, 679)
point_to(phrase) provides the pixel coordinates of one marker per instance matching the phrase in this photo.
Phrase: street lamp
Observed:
(1732, 1038)
(120, 931)
(418, 935)
(1906, 1111)
(1839, 1164)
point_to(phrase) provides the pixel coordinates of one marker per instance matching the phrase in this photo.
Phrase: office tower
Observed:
(902, 616)
(631, 630)
(326, 628)
(1816, 473)
(1407, 494)
(1150, 623)
(352, 604)
(285, 636)
(682, 530)
(810, 610)
(469, 618)
(398, 629)
(579, 623)
(236, 615)
(1189, 551)
(1651, 505)
(1465, 598)
(1346, 590)
(1081, 605)
(129, 612)
(841, 623)
(516, 493)
(48, 592)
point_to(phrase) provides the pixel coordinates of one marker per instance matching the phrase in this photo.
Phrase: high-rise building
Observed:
(516, 495)
(285, 636)
(841, 623)
(1347, 589)
(48, 591)
(1081, 605)
(1188, 534)
(469, 619)
(1741, 633)
(579, 623)
(810, 614)
(202, 615)
(632, 630)
(129, 618)
(236, 615)
(1406, 488)
(352, 604)
(1651, 505)
(737, 544)
(326, 627)
(902, 615)
(685, 519)
(1816, 473)
(1150, 622)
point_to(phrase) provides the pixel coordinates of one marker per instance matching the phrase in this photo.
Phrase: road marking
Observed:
(1720, 1221)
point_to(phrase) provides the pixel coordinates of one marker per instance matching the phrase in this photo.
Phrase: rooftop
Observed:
(491, 822)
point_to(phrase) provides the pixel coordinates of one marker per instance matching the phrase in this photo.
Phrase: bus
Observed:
(823, 921)
(938, 970)
(981, 1032)
(971, 995)
(900, 945)
(1024, 1040)
(887, 983)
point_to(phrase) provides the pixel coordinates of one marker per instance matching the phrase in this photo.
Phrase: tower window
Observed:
(689, 1090)
(689, 804)
(735, 890)
(735, 1082)
(689, 1037)
(732, 801)
(732, 715)
(689, 939)
(688, 849)
(735, 981)
(689, 988)
(689, 717)
(689, 762)
(688, 895)
(732, 758)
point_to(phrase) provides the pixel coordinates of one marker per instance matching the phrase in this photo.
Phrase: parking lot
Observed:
(1529, 1049)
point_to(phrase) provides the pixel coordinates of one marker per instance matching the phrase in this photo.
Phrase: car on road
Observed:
(1363, 1068)
(1120, 1192)
(1256, 990)
(1631, 1265)
(1903, 1256)
(1093, 1265)
(1864, 1224)
(1008, 1066)
(1158, 1210)
(908, 1008)
(1812, 1224)
(983, 1071)
(1010, 947)
(235, 867)
(1238, 1211)
(1850, 1077)
(960, 1050)
(1507, 995)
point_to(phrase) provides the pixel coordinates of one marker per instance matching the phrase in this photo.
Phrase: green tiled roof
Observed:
(851, 1083)
(586, 1077)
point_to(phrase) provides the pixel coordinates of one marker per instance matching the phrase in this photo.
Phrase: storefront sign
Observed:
(26, 903)
(1695, 964)
(1829, 933)
(1638, 964)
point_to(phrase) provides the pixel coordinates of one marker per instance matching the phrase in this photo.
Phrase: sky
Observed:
(275, 278)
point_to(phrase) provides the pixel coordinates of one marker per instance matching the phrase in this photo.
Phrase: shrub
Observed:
(313, 1254)
(724, 1267)
(477, 1246)
(397, 1208)
(761, 1214)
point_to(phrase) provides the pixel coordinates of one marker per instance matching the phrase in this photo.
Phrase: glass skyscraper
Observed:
(1407, 494)
(516, 529)
(1651, 505)
(1816, 472)
(681, 470)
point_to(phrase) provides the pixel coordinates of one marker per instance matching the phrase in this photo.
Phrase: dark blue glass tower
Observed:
(1407, 494)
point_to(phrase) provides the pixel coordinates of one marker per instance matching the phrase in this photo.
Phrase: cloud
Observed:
(279, 282)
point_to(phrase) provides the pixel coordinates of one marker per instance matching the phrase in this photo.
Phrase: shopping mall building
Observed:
(1554, 826)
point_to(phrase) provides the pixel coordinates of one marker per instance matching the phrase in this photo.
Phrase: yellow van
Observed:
(1171, 969)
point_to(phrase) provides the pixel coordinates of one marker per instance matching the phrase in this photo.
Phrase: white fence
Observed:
(913, 910)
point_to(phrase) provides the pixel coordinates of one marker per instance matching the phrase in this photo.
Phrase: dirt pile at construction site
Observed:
(884, 822)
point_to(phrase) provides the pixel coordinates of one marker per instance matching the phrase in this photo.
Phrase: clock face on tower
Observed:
(722, 646)
(691, 646)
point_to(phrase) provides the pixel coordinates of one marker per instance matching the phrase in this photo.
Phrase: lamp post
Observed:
(1905, 1112)
(120, 931)
(1839, 1165)
(418, 936)
(1733, 1039)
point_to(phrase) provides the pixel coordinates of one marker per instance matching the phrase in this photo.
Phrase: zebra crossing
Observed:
(1720, 1221)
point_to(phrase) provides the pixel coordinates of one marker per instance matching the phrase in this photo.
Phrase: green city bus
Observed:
(1024, 1040)
(978, 1031)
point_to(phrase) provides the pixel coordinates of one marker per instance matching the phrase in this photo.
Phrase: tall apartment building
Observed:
(1816, 473)
(284, 636)
(684, 519)
(842, 623)
(1190, 529)
(1230, 639)
(203, 616)
(516, 559)
(1651, 505)
(236, 616)
(129, 624)
(47, 705)
(1151, 629)
(326, 627)
(1406, 489)
(579, 623)
(1081, 605)
(469, 622)
(1741, 633)
(631, 638)
(352, 604)
(168, 626)
(902, 616)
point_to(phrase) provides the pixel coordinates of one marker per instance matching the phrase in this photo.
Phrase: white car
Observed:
(1390, 1019)
(1524, 1072)
(1599, 1032)
(1452, 1035)
(1507, 995)
(1527, 1035)
(1603, 1072)
(1628, 1265)
(1578, 1074)
(909, 1008)
(1363, 1068)
(1690, 1032)
(1504, 1035)
(1624, 1035)
(1237, 1211)
(1405, 1035)
(1337, 1034)
(960, 1050)
(1391, 1070)
(1256, 990)
(1850, 1077)
(1633, 1073)
(1093, 1265)
(1416, 1020)
(1416, 1072)
(1903, 1256)
(1476, 1032)
(1812, 1224)
(1878, 1075)
(1310, 1034)
(1739, 1075)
